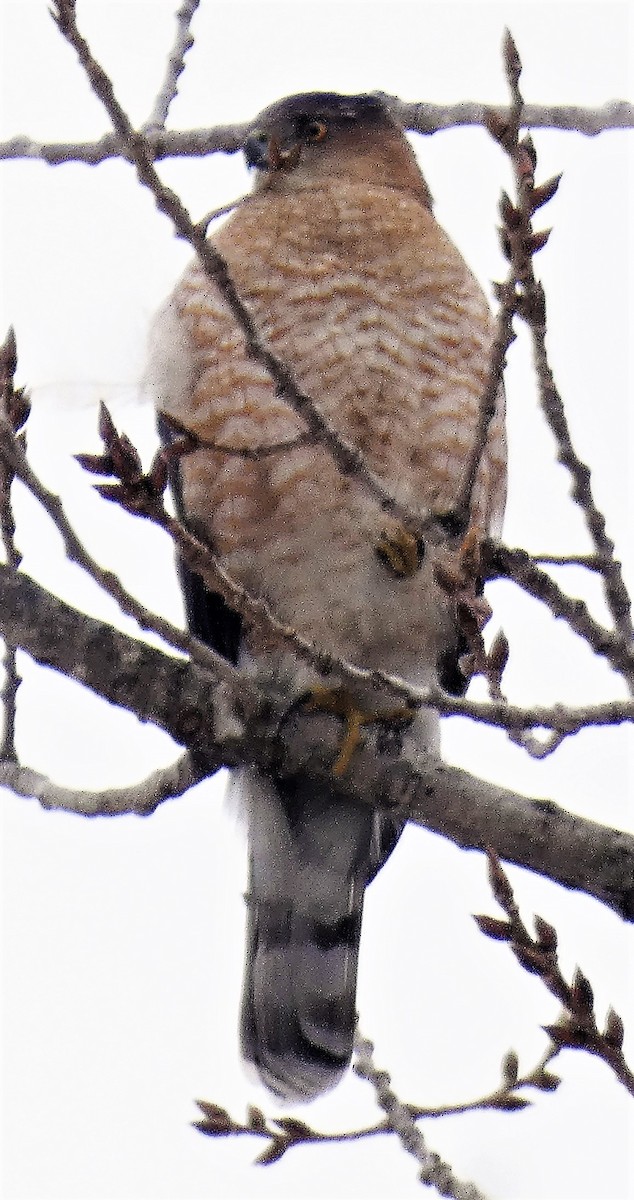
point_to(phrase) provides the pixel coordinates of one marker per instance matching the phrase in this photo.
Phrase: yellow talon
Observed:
(340, 702)
(400, 551)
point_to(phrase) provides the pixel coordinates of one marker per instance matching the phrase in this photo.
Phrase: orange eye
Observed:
(315, 131)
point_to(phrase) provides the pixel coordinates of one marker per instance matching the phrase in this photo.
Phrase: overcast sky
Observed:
(123, 939)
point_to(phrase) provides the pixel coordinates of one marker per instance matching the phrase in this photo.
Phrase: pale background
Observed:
(122, 939)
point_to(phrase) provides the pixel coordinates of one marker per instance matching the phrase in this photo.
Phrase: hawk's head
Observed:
(305, 140)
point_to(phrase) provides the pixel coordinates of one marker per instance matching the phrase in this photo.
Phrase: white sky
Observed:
(122, 939)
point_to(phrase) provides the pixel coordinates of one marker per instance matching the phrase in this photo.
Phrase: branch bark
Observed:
(417, 117)
(230, 723)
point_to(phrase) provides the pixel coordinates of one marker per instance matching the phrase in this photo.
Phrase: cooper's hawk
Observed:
(353, 284)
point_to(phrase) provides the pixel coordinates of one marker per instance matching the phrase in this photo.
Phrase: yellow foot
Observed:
(400, 551)
(340, 702)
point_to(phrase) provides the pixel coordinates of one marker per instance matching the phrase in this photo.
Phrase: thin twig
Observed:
(196, 442)
(519, 244)
(284, 1134)
(422, 117)
(216, 1121)
(175, 65)
(593, 562)
(502, 562)
(14, 407)
(559, 717)
(12, 454)
(204, 222)
(508, 297)
(576, 1028)
(616, 593)
(489, 401)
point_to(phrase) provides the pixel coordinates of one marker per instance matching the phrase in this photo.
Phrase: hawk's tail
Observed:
(310, 859)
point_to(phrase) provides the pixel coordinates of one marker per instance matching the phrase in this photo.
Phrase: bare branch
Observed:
(423, 117)
(204, 222)
(519, 243)
(193, 143)
(283, 1134)
(175, 65)
(504, 336)
(502, 562)
(255, 453)
(14, 409)
(434, 1171)
(418, 117)
(592, 561)
(229, 721)
(12, 455)
(616, 593)
(141, 799)
(577, 1027)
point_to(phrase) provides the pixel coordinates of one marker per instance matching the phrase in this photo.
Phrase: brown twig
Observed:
(283, 1135)
(502, 562)
(519, 243)
(504, 336)
(576, 1028)
(175, 65)
(14, 407)
(204, 222)
(593, 562)
(12, 455)
(193, 442)
(616, 594)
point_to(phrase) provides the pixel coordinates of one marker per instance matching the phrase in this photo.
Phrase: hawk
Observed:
(352, 283)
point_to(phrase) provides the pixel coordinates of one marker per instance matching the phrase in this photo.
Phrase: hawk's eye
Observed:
(314, 131)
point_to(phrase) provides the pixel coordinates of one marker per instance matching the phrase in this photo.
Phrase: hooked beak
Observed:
(266, 154)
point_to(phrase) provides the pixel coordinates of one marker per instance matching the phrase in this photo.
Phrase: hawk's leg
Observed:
(341, 703)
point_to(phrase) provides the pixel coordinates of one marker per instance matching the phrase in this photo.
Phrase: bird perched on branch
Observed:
(354, 286)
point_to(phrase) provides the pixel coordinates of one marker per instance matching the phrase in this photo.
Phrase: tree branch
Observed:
(232, 722)
(417, 117)
(175, 66)
(142, 799)
(502, 562)
(576, 1028)
(519, 244)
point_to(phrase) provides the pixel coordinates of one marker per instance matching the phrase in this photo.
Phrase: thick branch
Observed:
(232, 723)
